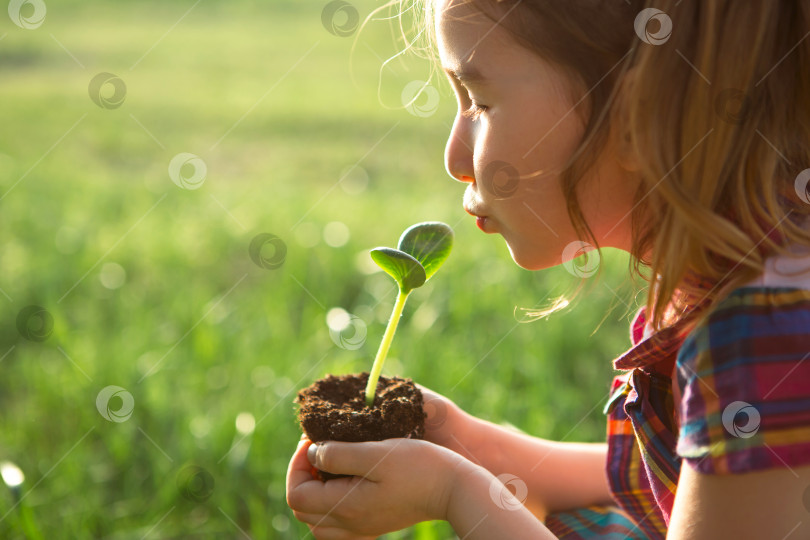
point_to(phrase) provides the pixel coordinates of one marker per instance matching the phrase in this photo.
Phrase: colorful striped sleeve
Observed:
(592, 522)
(744, 379)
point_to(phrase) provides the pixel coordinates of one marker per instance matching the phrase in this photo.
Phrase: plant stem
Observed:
(382, 352)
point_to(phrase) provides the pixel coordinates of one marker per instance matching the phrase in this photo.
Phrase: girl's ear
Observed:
(622, 137)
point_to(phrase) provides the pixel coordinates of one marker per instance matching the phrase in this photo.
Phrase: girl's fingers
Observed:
(317, 520)
(299, 464)
(426, 391)
(316, 497)
(329, 533)
(308, 495)
(355, 458)
(299, 473)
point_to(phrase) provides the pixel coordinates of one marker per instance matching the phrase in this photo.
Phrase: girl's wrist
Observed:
(478, 507)
(463, 477)
(471, 439)
(457, 431)
(454, 468)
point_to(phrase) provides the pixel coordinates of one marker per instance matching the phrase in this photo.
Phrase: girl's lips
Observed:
(483, 222)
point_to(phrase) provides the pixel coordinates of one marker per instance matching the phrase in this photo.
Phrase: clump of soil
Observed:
(334, 409)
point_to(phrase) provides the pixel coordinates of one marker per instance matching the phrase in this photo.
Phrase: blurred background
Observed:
(188, 193)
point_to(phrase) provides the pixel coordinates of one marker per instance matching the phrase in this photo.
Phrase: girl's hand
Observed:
(449, 426)
(396, 483)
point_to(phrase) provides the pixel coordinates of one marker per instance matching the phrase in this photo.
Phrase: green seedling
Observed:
(422, 249)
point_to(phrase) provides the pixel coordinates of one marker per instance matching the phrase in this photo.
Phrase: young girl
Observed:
(681, 134)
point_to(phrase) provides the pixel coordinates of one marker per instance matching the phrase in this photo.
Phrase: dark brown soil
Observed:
(334, 409)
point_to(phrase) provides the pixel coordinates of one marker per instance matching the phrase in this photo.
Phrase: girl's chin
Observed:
(531, 259)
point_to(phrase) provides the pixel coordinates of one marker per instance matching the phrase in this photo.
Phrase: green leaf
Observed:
(429, 243)
(405, 269)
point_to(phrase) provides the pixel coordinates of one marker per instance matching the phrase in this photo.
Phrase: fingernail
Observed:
(311, 451)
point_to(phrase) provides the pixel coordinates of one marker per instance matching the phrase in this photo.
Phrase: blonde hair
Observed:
(721, 182)
(717, 117)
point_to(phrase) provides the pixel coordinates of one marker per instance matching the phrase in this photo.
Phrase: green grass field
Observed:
(151, 287)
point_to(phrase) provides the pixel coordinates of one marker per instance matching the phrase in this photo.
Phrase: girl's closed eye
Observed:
(474, 111)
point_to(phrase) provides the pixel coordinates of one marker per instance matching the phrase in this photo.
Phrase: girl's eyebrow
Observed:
(465, 74)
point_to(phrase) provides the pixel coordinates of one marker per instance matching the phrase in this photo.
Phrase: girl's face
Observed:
(515, 129)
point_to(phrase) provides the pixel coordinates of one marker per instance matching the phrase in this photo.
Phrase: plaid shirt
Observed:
(741, 403)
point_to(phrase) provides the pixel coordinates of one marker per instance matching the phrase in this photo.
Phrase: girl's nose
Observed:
(458, 154)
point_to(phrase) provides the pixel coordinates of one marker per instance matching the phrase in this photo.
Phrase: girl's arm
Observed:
(558, 475)
(474, 514)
